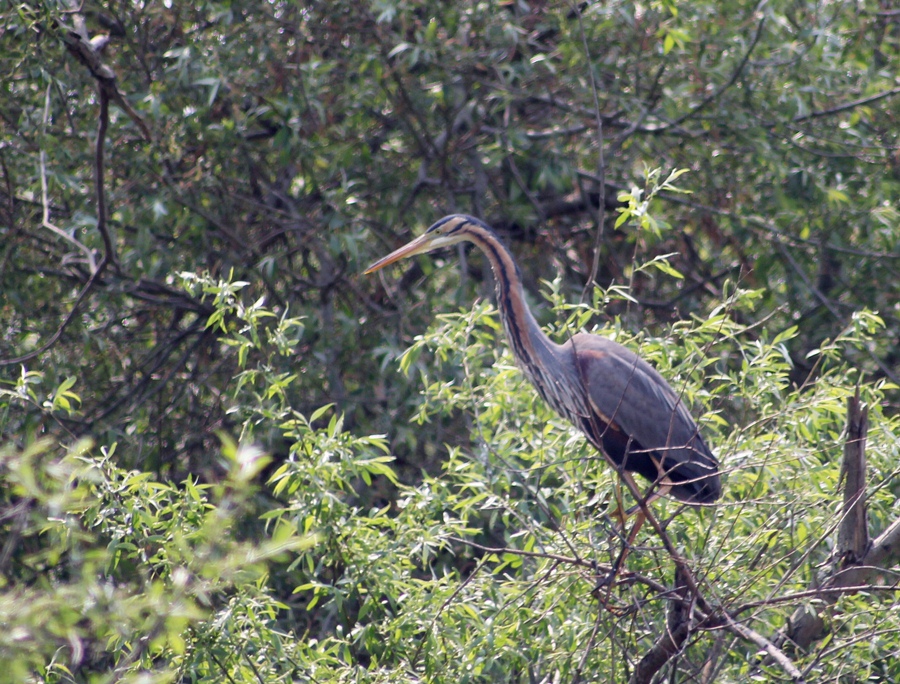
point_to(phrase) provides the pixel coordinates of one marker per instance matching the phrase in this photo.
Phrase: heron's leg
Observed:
(639, 516)
(638, 510)
(639, 519)
(665, 485)
(662, 486)
(650, 497)
(622, 515)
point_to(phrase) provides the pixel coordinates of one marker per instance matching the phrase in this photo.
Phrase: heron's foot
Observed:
(603, 593)
(604, 581)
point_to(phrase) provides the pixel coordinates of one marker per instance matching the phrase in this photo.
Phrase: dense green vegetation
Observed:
(226, 456)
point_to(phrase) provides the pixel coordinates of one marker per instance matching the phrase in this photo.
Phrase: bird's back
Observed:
(635, 414)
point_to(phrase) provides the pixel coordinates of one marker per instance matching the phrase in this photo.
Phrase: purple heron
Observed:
(624, 407)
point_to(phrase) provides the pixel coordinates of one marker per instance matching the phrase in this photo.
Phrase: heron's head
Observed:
(448, 231)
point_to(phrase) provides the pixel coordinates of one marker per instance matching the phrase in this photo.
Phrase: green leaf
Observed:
(319, 412)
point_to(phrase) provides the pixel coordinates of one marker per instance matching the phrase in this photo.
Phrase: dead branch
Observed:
(853, 534)
(45, 199)
(875, 565)
(707, 613)
(860, 563)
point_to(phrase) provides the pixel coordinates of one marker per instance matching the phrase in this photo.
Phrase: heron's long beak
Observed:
(421, 244)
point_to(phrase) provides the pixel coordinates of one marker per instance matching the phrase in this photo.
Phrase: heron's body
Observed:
(625, 408)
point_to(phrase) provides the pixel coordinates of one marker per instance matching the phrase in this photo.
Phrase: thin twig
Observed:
(588, 648)
(514, 168)
(832, 309)
(456, 592)
(527, 554)
(820, 592)
(731, 81)
(68, 319)
(600, 216)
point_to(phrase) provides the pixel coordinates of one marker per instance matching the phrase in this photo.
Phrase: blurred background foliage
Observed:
(290, 144)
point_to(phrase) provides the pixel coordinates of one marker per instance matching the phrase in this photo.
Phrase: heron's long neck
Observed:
(537, 355)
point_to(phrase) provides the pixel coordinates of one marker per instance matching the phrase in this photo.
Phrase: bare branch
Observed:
(849, 105)
(771, 650)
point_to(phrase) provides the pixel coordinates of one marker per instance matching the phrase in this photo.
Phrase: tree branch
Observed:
(102, 228)
(87, 51)
(670, 642)
(600, 215)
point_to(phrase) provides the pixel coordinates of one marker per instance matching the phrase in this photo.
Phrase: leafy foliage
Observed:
(482, 573)
(187, 192)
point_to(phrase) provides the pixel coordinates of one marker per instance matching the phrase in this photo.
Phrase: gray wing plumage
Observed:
(639, 421)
